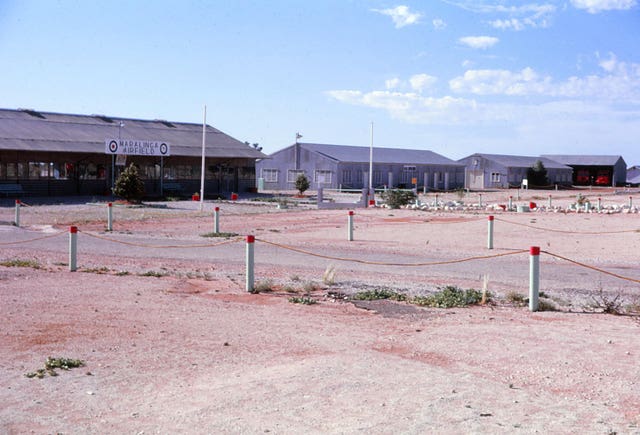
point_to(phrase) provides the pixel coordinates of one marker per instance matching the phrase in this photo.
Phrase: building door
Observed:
(475, 179)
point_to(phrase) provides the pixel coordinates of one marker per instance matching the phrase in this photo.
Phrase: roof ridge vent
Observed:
(33, 113)
(104, 118)
(165, 122)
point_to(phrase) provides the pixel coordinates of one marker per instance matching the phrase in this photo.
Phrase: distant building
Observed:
(633, 175)
(594, 170)
(347, 167)
(486, 171)
(45, 153)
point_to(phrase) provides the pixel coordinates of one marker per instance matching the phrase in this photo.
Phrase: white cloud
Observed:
(621, 83)
(479, 42)
(438, 24)
(596, 6)
(517, 18)
(392, 83)
(420, 82)
(401, 15)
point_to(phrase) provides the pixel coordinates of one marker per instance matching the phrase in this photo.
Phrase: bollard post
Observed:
(16, 221)
(216, 220)
(534, 278)
(350, 226)
(518, 194)
(73, 248)
(436, 199)
(549, 201)
(599, 204)
(490, 234)
(480, 199)
(510, 202)
(250, 262)
(630, 202)
(109, 216)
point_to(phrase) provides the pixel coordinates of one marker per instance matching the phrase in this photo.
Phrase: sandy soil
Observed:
(190, 351)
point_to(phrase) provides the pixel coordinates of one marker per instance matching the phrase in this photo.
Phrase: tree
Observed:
(537, 175)
(302, 183)
(129, 185)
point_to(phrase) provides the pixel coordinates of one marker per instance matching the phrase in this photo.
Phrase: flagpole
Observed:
(204, 138)
(370, 195)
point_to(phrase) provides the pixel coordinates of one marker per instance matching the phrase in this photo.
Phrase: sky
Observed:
(452, 76)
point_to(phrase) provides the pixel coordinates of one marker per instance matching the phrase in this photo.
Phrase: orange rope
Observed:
(592, 267)
(32, 240)
(381, 263)
(142, 245)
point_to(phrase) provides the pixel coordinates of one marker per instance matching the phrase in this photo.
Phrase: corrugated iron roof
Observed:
(579, 160)
(509, 161)
(28, 130)
(358, 154)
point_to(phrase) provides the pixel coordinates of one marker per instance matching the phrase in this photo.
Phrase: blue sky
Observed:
(452, 76)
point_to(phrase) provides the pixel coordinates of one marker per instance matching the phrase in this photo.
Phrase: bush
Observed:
(396, 198)
(302, 183)
(449, 297)
(537, 175)
(376, 294)
(129, 185)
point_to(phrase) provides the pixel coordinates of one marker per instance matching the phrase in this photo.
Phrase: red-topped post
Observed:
(16, 221)
(350, 226)
(250, 262)
(490, 233)
(73, 248)
(109, 216)
(216, 220)
(534, 278)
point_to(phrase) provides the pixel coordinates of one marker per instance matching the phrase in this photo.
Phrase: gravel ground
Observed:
(172, 342)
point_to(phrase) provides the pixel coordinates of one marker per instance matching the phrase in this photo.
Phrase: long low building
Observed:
(43, 153)
(347, 167)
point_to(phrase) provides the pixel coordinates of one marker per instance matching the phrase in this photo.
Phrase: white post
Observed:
(109, 216)
(204, 140)
(549, 201)
(216, 220)
(510, 203)
(630, 202)
(250, 262)
(518, 194)
(73, 248)
(490, 234)
(350, 226)
(480, 199)
(436, 199)
(370, 195)
(599, 204)
(534, 278)
(16, 221)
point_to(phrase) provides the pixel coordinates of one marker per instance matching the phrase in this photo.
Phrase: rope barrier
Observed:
(592, 267)
(33, 240)
(568, 232)
(143, 245)
(381, 263)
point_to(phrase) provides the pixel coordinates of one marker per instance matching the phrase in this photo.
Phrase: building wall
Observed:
(61, 174)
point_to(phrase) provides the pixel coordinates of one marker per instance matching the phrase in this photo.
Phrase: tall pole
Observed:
(370, 166)
(204, 138)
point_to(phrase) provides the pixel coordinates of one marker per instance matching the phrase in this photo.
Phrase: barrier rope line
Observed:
(143, 245)
(33, 240)
(606, 272)
(382, 263)
(567, 232)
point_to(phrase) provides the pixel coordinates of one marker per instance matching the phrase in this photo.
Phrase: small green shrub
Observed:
(224, 235)
(51, 364)
(449, 297)
(129, 185)
(377, 294)
(395, 198)
(153, 273)
(263, 286)
(606, 304)
(310, 286)
(516, 298)
(302, 183)
(305, 300)
(21, 263)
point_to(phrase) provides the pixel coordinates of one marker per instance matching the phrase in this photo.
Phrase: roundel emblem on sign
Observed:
(163, 148)
(113, 146)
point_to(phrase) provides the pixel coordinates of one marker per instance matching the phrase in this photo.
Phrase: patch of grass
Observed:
(289, 289)
(517, 299)
(98, 270)
(295, 278)
(605, 303)
(449, 297)
(310, 286)
(263, 286)
(304, 300)
(222, 235)
(329, 275)
(21, 263)
(377, 294)
(122, 273)
(547, 305)
(51, 364)
(153, 273)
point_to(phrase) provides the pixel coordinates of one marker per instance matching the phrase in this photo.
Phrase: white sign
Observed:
(137, 147)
